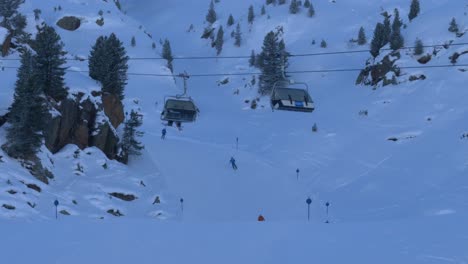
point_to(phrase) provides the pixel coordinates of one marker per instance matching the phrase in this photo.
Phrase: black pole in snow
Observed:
(327, 204)
(56, 203)
(237, 143)
(308, 201)
(182, 204)
(297, 174)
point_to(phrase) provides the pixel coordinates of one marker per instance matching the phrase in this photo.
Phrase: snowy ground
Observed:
(391, 202)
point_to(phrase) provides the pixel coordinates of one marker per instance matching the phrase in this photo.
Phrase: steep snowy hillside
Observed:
(391, 161)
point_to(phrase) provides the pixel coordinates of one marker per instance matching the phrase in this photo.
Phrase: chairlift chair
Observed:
(291, 98)
(180, 108)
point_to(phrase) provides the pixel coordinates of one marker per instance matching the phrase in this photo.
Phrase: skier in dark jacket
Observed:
(163, 133)
(233, 163)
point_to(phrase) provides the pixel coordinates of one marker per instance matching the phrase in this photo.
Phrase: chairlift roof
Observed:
(295, 94)
(181, 104)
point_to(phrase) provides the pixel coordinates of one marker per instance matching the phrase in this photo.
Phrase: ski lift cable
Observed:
(247, 57)
(259, 73)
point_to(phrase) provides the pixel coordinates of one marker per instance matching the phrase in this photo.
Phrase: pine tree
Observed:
(323, 44)
(293, 7)
(311, 11)
(362, 39)
(387, 29)
(268, 2)
(282, 2)
(50, 63)
(378, 40)
(167, 54)
(116, 77)
(453, 26)
(12, 20)
(306, 3)
(396, 39)
(230, 21)
(97, 59)
(252, 59)
(24, 135)
(251, 15)
(211, 17)
(263, 11)
(238, 36)
(133, 42)
(414, 10)
(130, 144)
(37, 14)
(271, 62)
(219, 40)
(418, 47)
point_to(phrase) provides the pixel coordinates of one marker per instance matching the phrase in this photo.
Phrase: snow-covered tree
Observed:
(378, 39)
(263, 10)
(238, 36)
(306, 3)
(219, 40)
(230, 21)
(50, 61)
(116, 77)
(418, 47)
(311, 11)
(282, 2)
(211, 17)
(362, 39)
(37, 14)
(268, 2)
(414, 9)
(294, 7)
(271, 62)
(130, 146)
(396, 38)
(24, 135)
(251, 15)
(167, 54)
(252, 59)
(453, 26)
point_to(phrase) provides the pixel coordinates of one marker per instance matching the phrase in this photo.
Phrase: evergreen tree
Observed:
(311, 11)
(252, 59)
(263, 11)
(293, 7)
(271, 63)
(133, 42)
(453, 26)
(50, 61)
(130, 144)
(306, 3)
(97, 59)
(282, 2)
(362, 39)
(396, 39)
(414, 10)
(37, 14)
(323, 44)
(387, 29)
(167, 54)
(24, 135)
(211, 17)
(378, 39)
(12, 20)
(268, 2)
(117, 62)
(251, 15)
(238, 36)
(219, 40)
(230, 21)
(418, 47)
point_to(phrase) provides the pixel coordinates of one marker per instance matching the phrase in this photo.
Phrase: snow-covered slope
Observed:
(417, 181)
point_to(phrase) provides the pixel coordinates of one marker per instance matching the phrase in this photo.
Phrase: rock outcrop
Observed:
(69, 23)
(380, 72)
(113, 108)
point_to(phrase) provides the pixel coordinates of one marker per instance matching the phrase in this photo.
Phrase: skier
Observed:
(261, 218)
(233, 163)
(163, 133)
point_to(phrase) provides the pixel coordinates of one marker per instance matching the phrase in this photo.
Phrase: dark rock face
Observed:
(124, 197)
(115, 212)
(113, 108)
(69, 23)
(376, 73)
(425, 59)
(74, 122)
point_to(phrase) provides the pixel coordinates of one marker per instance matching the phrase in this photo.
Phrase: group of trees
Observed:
(386, 33)
(40, 78)
(13, 21)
